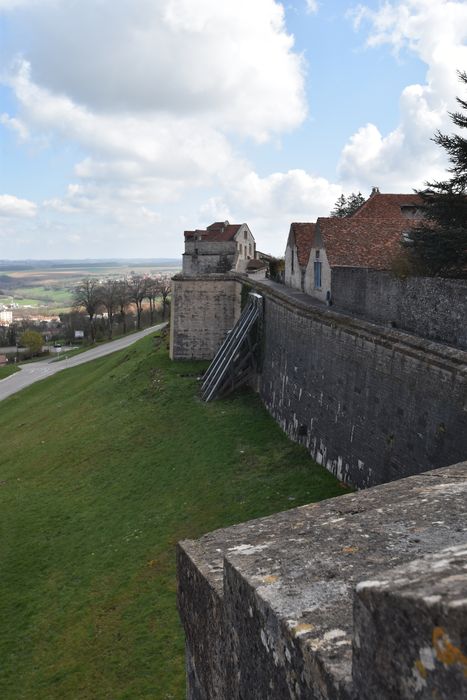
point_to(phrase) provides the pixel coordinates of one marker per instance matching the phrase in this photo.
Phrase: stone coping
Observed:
(286, 583)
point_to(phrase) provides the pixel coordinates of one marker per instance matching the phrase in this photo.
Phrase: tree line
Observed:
(115, 297)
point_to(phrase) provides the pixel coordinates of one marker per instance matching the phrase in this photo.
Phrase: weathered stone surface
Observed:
(274, 596)
(207, 257)
(202, 615)
(428, 306)
(203, 310)
(372, 404)
(410, 630)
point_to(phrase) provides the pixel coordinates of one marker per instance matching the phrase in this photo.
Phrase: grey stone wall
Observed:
(210, 247)
(203, 309)
(204, 263)
(370, 404)
(207, 257)
(430, 307)
(361, 597)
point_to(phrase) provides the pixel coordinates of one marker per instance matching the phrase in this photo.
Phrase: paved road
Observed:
(36, 371)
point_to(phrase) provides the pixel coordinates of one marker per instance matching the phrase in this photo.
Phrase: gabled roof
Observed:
(256, 264)
(303, 234)
(385, 206)
(218, 231)
(362, 241)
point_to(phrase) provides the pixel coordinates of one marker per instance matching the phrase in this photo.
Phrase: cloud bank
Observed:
(161, 98)
(436, 32)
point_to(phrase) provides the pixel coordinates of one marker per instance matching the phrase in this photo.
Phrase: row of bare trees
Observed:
(115, 297)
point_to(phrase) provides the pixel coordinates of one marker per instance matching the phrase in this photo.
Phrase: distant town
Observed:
(39, 295)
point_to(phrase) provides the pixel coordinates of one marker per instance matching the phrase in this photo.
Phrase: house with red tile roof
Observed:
(220, 247)
(297, 254)
(369, 238)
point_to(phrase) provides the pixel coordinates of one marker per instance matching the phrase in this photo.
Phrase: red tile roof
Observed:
(302, 234)
(371, 236)
(362, 242)
(218, 231)
(385, 206)
(368, 238)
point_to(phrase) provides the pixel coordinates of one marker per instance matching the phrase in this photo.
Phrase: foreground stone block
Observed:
(268, 606)
(410, 630)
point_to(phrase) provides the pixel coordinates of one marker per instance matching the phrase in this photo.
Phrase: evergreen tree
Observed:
(438, 247)
(354, 202)
(340, 207)
(345, 206)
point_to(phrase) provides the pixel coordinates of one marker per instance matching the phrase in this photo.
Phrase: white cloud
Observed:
(14, 207)
(406, 157)
(311, 6)
(15, 125)
(269, 204)
(152, 94)
(231, 63)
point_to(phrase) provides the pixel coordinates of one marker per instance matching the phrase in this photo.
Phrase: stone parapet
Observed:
(352, 598)
(431, 307)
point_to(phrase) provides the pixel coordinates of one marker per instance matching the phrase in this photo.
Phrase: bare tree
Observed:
(87, 296)
(123, 299)
(165, 288)
(110, 301)
(137, 294)
(152, 292)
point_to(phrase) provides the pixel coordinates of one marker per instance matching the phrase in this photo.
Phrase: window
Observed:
(406, 237)
(249, 248)
(317, 274)
(245, 235)
(293, 255)
(317, 255)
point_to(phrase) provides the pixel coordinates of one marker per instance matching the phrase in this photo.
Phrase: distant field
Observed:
(49, 290)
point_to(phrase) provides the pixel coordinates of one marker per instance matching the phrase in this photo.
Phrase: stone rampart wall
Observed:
(427, 306)
(369, 403)
(203, 310)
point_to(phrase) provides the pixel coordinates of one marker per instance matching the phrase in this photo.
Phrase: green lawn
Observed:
(103, 468)
(7, 370)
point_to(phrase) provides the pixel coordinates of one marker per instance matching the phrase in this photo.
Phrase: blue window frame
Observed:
(317, 275)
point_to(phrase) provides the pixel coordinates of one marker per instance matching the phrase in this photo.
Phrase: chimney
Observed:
(374, 190)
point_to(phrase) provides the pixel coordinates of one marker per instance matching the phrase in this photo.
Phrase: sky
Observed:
(125, 122)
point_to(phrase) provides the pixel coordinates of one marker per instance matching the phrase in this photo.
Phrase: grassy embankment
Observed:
(7, 370)
(103, 469)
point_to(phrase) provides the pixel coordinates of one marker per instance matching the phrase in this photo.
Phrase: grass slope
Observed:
(103, 468)
(7, 370)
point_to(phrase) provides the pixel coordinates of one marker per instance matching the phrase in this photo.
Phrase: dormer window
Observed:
(411, 211)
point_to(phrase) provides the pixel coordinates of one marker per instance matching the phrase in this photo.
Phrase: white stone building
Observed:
(221, 247)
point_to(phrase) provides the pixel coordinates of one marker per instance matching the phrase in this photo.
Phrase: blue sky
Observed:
(122, 124)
